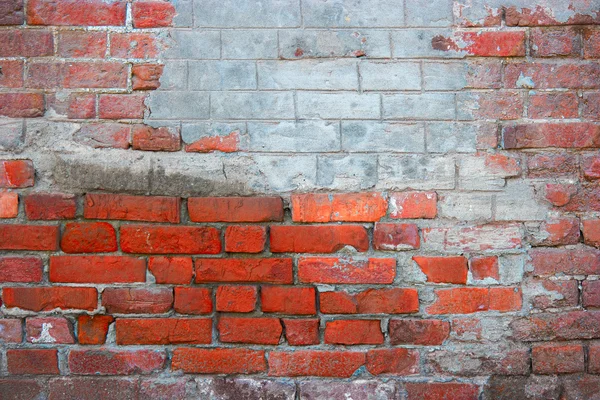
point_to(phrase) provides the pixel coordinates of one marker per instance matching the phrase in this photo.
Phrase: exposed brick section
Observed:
(131, 208)
(146, 76)
(557, 359)
(110, 362)
(245, 239)
(571, 325)
(288, 300)
(484, 267)
(100, 136)
(21, 105)
(134, 45)
(240, 299)
(49, 298)
(550, 42)
(585, 261)
(21, 269)
(372, 301)
(340, 364)
(97, 269)
(163, 331)
(553, 105)
(193, 300)
(268, 270)
(347, 271)
(219, 361)
(29, 237)
(88, 237)
(16, 173)
(9, 205)
(77, 75)
(562, 135)
(249, 330)
(591, 294)
(11, 330)
(152, 14)
(301, 332)
(393, 362)
(443, 269)
(431, 391)
(428, 332)
(171, 270)
(235, 209)
(470, 300)
(591, 232)
(137, 300)
(121, 106)
(92, 329)
(396, 237)
(550, 75)
(50, 330)
(317, 239)
(350, 332)
(352, 207)
(11, 12)
(148, 138)
(413, 205)
(75, 12)
(26, 43)
(149, 239)
(558, 232)
(32, 361)
(48, 206)
(78, 44)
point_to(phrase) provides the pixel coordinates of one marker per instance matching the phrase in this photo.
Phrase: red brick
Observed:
(413, 205)
(288, 300)
(132, 208)
(371, 301)
(560, 194)
(396, 237)
(218, 361)
(301, 332)
(95, 75)
(193, 300)
(503, 105)
(137, 300)
(240, 299)
(393, 362)
(591, 294)
(134, 45)
(97, 269)
(229, 143)
(539, 14)
(590, 166)
(16, 173)
(443, 269)
(591, 42)
(89, 237)
(146, 76)
(427, 332)
(235, 209)
(50, 330)
(28, 237)
(163, 138)
(571, 325)
(121, 106)
(85, 44)
(159, 388)
(591, 232)
(245, 239)
(563, 135)
(172, 270)
(22, 105)
(557, 359)
(551, 42)
(9, 205)
(549, 75)
(32, 361)
(152, 14)
(50, 206)
(267, 270)
(544, 165)
(11, 331)
(558, 232)
(74, 105)
(44, 75)
(12, 74)
(26, 43)
(76, 12)
(348, 207)
(115, 362)
(104, 135)
(591, 106)
(554, 293)
(505, 299)
(11, 13)
(150, 239)
(49, 298)
(493, 43)
(21, 269)
(338, 364)
(553, 105)
(92, 329)
(163, 331)
(346, 271)
(317, 239)
(577, 261)
(483, 267)
(351, 332)
(594, 359)
(460, 301)
(249, 330)
(92, 388)
(438, 391)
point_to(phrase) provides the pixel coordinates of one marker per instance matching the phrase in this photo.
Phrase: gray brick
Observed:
(429, 13)
(187, 44)
(414, 43)
(386, 75)
(174, 75)
(11, 134)
(335, 43)
(465, 206)
(249, 44)
(415, 171)
(443, 137)
(338, 105)
(419, 106)
(476, 174)
(352, 13)
(308, 74)
(192, 132)
(178, 105)
(250, 14)
(184, 17)
(444, 76)
(517, 203)
(351, 172)
(256, 105)
(297, 137)
(359, 389)
(386, 137)
(245, 388)
(222, 75)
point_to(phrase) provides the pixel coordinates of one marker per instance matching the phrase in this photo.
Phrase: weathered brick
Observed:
(79, 74)
(249, 330)
(579, 261)
(553, 105)
(137, 300)
(149, 239)
(543, 165)
(235, 209)
(74, 106)
(132, 208)
(571, 325)
(161, 388)
(371, 301)
(393, 362)
(88, 237)
(101, 135)
(49, 206)
(92, 388)
(561, 135)
(115, 362)
(22, 105)
(163, 331)
(591, 294)
(97, 269)
(340, 364)
(435, 390)
(32, 361)
(591, 49)
(193, 300)
(82, 44)
(219, 361)
(428, 332)
(351, 332)
(347, 271)
(356, 389)
(21, 269)
(29, 237)
(9, 205)
(76, 12)
(555, 359)
(301, 332)
(245, 239)
(267, 270)
(548, 293)
(474, 238)
(549, 75)
(171, 270)
(551, 42)
(26, 43)
(591, 232)
(288, 300)
(483, 267)
(50, 330)
(413, 205)
(92, 329)
(134, 45)
(146, 76)
(443, 269)
(594, 359)
(470, 300)
(351, 207)
(317, 239)
(11, 12)
(236, 298)
(476, 360)
(591, 108)
(16, 173)
(503, 105)
(396, 237)
(163, 138)
(152, 14)
(49, 298)
(121, 106)
(11, 331)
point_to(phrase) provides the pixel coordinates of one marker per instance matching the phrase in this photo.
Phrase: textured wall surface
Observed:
(300, 199)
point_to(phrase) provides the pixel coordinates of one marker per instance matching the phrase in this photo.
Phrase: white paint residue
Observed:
(45, 336)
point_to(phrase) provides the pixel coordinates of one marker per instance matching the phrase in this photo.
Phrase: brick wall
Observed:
(310, 199)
